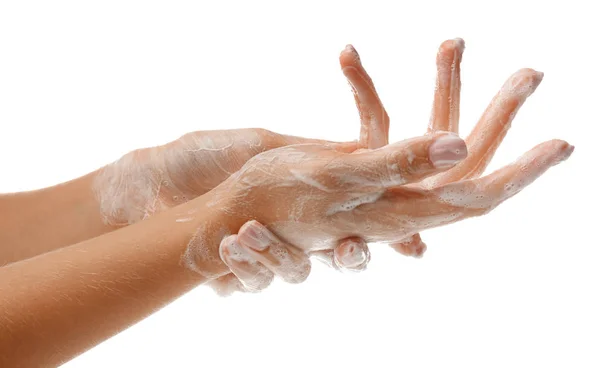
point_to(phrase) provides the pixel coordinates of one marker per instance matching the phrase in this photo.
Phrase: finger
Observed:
(226, 285)
(489, 191)
(352, 254)
(492, 127)
(446, 100)
(412, 246)
(284, 260)
(399, 163)
(444, 116)
(374, 120)
(456, 201)
(251, 274)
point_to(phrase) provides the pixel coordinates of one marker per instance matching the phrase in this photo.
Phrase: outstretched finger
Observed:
(374, 120)
(460, 200)
(445, 115)
(492, 127)
(489, 191)
(446, 100)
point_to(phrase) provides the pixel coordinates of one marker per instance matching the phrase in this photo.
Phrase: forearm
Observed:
(57, 305)
(39, 221)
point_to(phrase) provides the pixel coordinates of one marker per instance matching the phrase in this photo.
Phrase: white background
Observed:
(82, 83)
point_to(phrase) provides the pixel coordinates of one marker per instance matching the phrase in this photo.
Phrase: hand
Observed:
(484, 139)
(352, 254)
(150, 180)
(314, 195)
(255, 256)
(482, 142)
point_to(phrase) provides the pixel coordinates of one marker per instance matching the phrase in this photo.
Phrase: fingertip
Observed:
(524, 82)
(460, 43)
(349, 55)
(231, 251)
(255, 236)
(569, 151)
(225, 247)
(352, 254)
(564, 149)
(351, 49)
(411, 247)
(451, 48)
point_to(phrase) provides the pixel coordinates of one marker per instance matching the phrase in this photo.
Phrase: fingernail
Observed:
(232, 250)
(349, 255)
(349, 47)
(569, 151)
(255, 236)
(352, 50)
(447, 150)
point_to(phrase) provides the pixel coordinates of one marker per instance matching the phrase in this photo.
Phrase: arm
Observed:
(39, 221)
(56, 305)
(140, 184)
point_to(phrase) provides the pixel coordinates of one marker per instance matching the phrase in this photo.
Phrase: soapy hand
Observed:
(248, 274)
(314, 196)
(482, 143)
(323, 180)
(151, 180)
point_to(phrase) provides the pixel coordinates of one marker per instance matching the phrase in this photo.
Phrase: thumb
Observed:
(401, 163)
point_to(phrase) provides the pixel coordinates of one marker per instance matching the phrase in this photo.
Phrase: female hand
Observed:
(315, 195)
(484, 139)
(482, 142)
(352, 254)
(151, 180)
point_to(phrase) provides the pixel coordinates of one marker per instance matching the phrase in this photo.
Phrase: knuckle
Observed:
(267, 138)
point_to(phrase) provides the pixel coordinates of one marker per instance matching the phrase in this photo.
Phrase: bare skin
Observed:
(142, 183)
(482, 143)
(139, 185)
(58, 304)
(319, 196)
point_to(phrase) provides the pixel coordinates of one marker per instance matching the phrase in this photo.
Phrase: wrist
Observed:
(210, 218)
